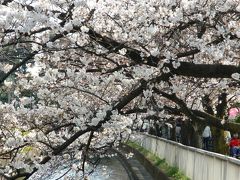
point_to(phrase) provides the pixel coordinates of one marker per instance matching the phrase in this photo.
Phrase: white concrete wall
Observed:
(195, 163)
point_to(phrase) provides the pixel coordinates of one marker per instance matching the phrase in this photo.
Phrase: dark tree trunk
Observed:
(196, 141)
(218, 134)
(185, 133)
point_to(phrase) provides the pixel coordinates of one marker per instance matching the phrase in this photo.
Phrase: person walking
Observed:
(234, 146)
(227, 138)
(206, 136)
(178, 132)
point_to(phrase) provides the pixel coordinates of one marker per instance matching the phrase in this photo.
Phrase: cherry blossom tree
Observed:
(95, 68)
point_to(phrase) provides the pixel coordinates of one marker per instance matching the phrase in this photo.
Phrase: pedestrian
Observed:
(234, 146)
(227, 137)
(206, 136)
(178, 132)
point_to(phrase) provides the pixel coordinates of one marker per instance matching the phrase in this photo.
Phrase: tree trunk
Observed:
(219, 144)
(186, 133)
(197, 142)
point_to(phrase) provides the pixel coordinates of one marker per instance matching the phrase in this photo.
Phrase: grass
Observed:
(171, 172)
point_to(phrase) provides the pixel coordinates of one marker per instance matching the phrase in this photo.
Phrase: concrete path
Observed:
(139, 170)
(133, 166)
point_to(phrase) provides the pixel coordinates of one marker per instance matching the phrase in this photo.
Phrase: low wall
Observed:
(195, 163)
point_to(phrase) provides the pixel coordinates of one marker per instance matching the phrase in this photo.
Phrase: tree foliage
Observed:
(102, 65)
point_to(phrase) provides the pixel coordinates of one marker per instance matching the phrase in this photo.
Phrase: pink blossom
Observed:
(233, 112)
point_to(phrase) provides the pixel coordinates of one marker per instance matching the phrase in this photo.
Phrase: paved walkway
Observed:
(136, 168)
(139, 170)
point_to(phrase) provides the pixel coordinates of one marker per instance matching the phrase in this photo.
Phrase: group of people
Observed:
(233, 143)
